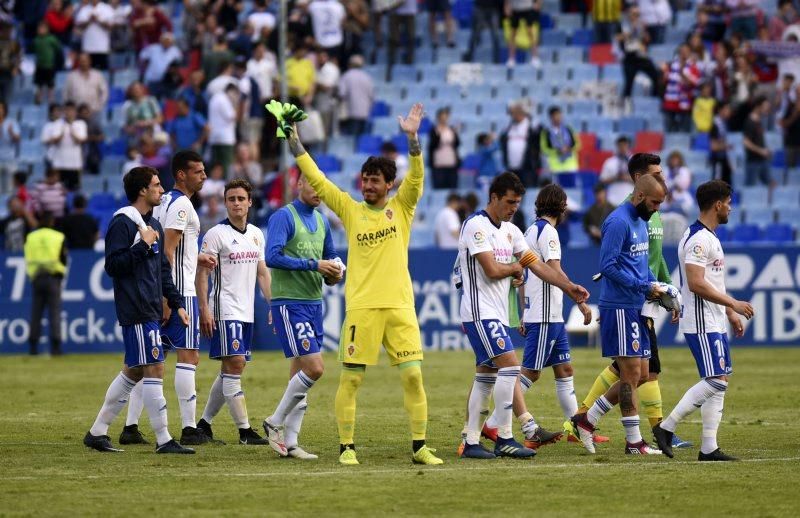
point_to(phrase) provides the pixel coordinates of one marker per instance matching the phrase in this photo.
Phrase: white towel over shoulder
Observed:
(134, 216)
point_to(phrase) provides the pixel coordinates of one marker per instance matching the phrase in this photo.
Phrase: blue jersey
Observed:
(623, 259)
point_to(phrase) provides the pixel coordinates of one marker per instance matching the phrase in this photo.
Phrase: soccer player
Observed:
(650, 391)
(181, 225)
(378, 293)
(626, 282)
(706, 307)
(301, 255)
(228, 318)
(141, 276)
(491, 252)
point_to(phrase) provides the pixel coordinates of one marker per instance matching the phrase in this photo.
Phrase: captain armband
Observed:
(527, 259)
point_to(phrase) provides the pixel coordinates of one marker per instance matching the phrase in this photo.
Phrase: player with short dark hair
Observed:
(706, 312)
(141, 275)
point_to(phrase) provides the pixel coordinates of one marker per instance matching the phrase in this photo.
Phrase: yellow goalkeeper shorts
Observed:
(365, 330)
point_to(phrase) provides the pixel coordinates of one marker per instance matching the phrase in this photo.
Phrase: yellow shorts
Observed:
(365, 330)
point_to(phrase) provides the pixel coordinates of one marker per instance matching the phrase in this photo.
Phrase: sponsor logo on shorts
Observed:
(406, 354)
(351, 349)
(306, 344)
(154, 352)
(235, 344)
(501, 343)
(635, 345)
(389, 214)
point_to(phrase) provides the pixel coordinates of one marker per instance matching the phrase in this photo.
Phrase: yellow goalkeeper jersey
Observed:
(377, 239)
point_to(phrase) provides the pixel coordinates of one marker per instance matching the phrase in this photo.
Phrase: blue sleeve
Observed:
(199, 120)
(279, 230)
(328, 248)
(613, 237)
(120, 255)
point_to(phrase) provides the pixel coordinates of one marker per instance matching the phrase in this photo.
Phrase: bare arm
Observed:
(497, 271)
(172, 238)
(695, 278)
(264, 280)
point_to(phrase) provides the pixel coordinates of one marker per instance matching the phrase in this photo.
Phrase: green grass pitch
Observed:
(49, 404)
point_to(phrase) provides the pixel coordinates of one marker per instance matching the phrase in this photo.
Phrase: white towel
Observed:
(134, 216)
(341, 266)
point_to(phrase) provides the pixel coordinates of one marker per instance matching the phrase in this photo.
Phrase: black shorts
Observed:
(44, 77)
(530, 16)
(655, 361)
(99, 61)
(437, 6)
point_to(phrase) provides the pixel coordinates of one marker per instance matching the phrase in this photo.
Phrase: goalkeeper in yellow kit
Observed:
(378, 294)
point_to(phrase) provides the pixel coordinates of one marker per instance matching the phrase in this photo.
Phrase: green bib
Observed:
(294, 284)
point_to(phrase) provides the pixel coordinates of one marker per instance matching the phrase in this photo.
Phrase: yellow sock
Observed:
(601, 384)
(345, 405)
(650, 400)
(414, 399)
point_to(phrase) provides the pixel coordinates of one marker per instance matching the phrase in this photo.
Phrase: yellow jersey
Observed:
(377, 239)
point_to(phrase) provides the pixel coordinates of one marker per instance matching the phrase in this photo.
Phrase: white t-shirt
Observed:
(446, 223)
(66, 153)
(517, 143)
(484, 298)
(264, 71)
(543, 301)
(699, 246)
(96, 39)
(618, 189)
(158, 60)
(259, 20)
(177, 212)
(326, 21)
(234, 279)
(219, 84)
(221, 120)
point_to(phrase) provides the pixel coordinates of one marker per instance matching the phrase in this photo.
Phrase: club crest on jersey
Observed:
(154, 352)
(255, 241)
(307, 345)
(635, 346)
(389, 214)
(501, 343)
(509, 237)
(351, 349)
(235, 344)
(479, 237)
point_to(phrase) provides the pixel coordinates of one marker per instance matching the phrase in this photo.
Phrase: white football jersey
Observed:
(177, 212)
(232, 295)
(700, 246)
(543, 301)
(484, 298)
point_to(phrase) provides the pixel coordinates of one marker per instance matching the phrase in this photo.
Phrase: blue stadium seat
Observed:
(585, 73)
(404, 74)
(754, 196)
(102, 201)
(553, 38)
(701, 142)
(600, 125)
(449, 93)
(779, 233)
(583, 37)
(746, 233)
(778, 158)
(584, 107)
(401, 143)
(568, 21)
(631, 125)
(327, 163)
(433, 73)
(567, 180)
(116, 96)
(31, 151)
(587, 179)
(508, 91)
(471, 161)
(787, 196)
(724, 233)
(369, 144)
(613, 74)
(380, 109)
(384, 126)
(418, 91)
(790, 216)
(479, 92)
(759, 215)
(570, 55)
(116, 147)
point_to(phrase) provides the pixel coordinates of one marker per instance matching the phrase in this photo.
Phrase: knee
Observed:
(351, 378)
(190, 356)
(412, 378)
(531, 374)
(565, 371)
(233, 365)
(314, 371)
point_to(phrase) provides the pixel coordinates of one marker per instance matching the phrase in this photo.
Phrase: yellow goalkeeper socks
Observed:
(414, 399)
(345, 405)
(650, 400)
(601, 384)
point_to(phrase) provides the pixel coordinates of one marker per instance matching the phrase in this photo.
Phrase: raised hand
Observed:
(410, 124)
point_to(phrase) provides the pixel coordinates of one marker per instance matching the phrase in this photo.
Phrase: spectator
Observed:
(148, 22)
(326, 101)
(155, 152)
(262, 20)
(263, 68)
(189, 129)
(656, 14)
(679, 182)
(486, 146)
(172, 82)
(227, 12)
(142, 111)
(19, 189)
(786, 16)
(606, 17)
(193, 93)
(437, 9)
(209, 35)
(789, 120)
(155, 59)
(245, 167)
(51, 127)
(402, 24)
(744, 80)
(597, 213)
(218, 60)
(722, 74)
(354, 26)
(80, 228)
(227, 76)
(443, 151)
(485, 15)
(222, 116)
(241, 42)
(633, 41)
(49, 59)
(49, 195)
(470, 206)
(94, 19)
(16, 226)
(121, 35)
(701, 56)
(357, 93)
(299, 23)
(9, 138)
(703, 109)
(614, 173)
(301, 76)
(519, 144)
(45, 262)
(327, 17)
(211, 213)
(786, 96)
(790, 64)
(559, 144)
(528, 11)
(86, 85)
(744, 17)
(134, 159)
(10, 59)
(92, 153)
(389, 150)
(447, 224)
(718, 156)
(716, 11)
(756, 155)
(214, 186)
(682, 78)
(59, 20)
(251, 108)
(67, 138)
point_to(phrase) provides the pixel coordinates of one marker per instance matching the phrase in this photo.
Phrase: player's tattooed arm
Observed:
(626, 397)
(414, 147)
(295, 146)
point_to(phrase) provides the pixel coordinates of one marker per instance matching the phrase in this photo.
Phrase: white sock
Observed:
(478, 400)
(691, 401)
(234, 396)
(504, 400)
(712, 415)
(156, 405)
(632, 432)
(525, 384)
(187, 395)
(135, 405)
(215, 400)
(600, 408)
(116, 397)
(294, 393)
(294, 421)
(565, 391)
